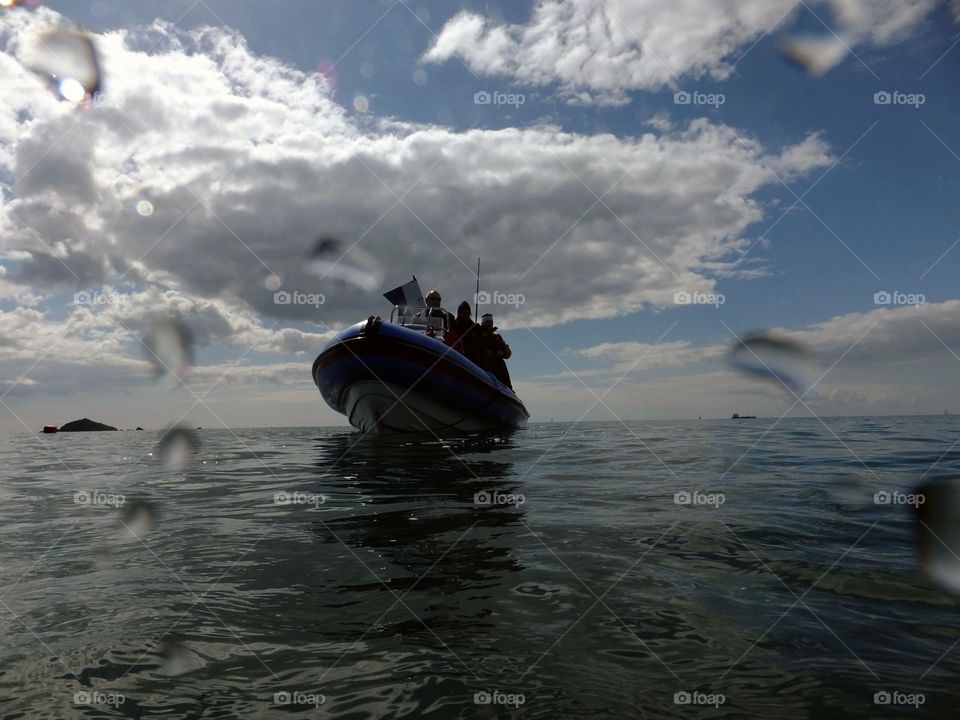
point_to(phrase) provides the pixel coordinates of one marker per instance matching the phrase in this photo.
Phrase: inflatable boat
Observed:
(399, 376)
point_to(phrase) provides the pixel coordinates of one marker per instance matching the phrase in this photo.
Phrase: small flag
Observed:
(406, 295)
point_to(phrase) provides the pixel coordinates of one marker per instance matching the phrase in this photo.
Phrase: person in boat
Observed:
(463, 332)
(434, 309)
(492, 350)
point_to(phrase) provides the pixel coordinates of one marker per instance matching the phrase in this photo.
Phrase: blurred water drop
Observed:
(145, 208)
(332, 259)
(781, 360)
(177, 446)
(361, 103)
(103, 558)
(139, 518)
(327, 70)
(72, 90)
(68, 59)
(367, 70)
(420, 77)
(176, 658)
(814, 55)
(938, 532)
(168, 346)
(850, 13)
(273, 282)
(853, 490)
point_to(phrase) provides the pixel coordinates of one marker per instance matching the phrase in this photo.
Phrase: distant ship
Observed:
(738, 416)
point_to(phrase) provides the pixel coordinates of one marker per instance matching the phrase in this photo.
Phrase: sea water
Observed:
(599, 570)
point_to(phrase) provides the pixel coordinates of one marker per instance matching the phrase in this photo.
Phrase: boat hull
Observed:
(387, 378)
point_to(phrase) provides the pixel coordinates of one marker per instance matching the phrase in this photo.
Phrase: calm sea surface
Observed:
(555, 572)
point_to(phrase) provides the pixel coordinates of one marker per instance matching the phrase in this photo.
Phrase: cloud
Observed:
(637, 356)
(884, 361)
(245, 161)
(887, 335)
(601, 51)
(861, 357)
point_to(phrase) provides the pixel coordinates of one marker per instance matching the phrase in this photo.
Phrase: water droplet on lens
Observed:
(853, 490)
(103, 557)
(361, 104)
(68, 59)
(71, 90)
(535, 589)
(814, 55)
(145, 208)
(169, 348)
(139, 518)
(367, 70)
(420, 77)
(273, 282)
(177, 446)
(327, 70)
(333, 260)
(938, 532)
(781, 360)
(175, 657)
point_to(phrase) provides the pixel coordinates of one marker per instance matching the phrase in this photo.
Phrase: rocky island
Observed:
(85, 425)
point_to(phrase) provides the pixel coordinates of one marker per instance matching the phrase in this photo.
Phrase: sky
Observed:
(647, 183)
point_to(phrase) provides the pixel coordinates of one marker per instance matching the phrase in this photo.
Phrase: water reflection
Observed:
(414, 562)
(418, 505)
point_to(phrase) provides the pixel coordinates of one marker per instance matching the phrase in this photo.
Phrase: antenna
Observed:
(476, 298)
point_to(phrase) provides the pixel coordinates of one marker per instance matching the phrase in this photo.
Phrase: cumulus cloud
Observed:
(244, 161)
(889, 335)
(877, 342)
(640, 356)
(876, 362)
(601, 51)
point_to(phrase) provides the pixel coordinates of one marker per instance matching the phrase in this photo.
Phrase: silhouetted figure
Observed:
(464, 332)
(492, 350)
